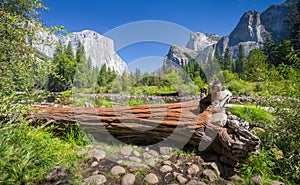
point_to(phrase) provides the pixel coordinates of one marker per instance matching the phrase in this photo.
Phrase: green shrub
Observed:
(136, 102)
(252, 114)
(103, 102)
(284, 136)
(238, 86)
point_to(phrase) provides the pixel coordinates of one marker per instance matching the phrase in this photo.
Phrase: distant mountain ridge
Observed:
(249, 32)
(98, 48)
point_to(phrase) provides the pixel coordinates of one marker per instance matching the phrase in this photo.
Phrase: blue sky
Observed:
(207, 16)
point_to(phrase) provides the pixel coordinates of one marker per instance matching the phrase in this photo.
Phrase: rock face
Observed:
(274, 20)
(179, 56)
(198, 41)
(198, 47)
(249, 32)
(97, 48)
(249, 28)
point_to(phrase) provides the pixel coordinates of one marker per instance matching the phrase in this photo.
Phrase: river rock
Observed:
(98, 179)
(126, 151)
(135, 159)
(166, 168)
(193, 169)
(165, 150)
(195, 182)
(210, 174)
(97, 154)
(257, 180)
(154, 153)
(128, 179)
(151, 178)
(276, 183)
(117, 170)
(181, 179)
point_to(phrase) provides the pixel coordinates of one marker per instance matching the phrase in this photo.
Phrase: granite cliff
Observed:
(249, 32)
(98, 48)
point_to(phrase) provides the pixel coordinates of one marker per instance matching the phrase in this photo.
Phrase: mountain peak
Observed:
(249, 28)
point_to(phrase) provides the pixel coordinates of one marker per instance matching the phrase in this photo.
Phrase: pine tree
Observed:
(295, 31)
(80, 53)
(240, 61)
(255, 68)
(219, 58)
(69, 51)
(101, 78)
(227, 62)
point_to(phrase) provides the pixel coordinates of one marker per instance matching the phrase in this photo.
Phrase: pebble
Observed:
(151, 178)
(165, 150)
(210, 174)
(195, 182)
(136, 153)
(98, 179)
(117, 170)
(94, 164)
(153, 153)
(276, 183)
(257, 179)
(150, 162)
(128, 179)
(126, 151)
(167, 163)
(135, 159)
(181, 179)
(216, 168)
(97, 154)
(147, 155)
(193, 169)
(166, 168)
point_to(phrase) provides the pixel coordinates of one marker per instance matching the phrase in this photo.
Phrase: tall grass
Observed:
(27, 154)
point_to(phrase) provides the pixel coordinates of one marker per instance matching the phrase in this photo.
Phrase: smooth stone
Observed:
(181, 179)
(96, 172)
(81, 152)
(97, 154)
(175, 174)
(167, 163)
(216, 168)
(94, 164)
(257, 180)
(276, 183)
(117, 170)
(193, 169)
(128, 179)
(165, 150)
(150, 162)
(147, 155)
(126, 151)
(136, 153)
(153, 153)
(151, 178)
(95, 179)
(210, 174)
(166, 168)
(135, 159)
(195, 182)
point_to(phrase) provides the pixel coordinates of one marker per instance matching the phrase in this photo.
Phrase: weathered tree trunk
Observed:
(205, 126)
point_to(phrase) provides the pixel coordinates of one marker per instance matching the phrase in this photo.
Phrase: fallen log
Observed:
(205, 126)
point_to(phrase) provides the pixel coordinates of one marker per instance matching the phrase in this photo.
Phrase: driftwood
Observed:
(205, 126)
